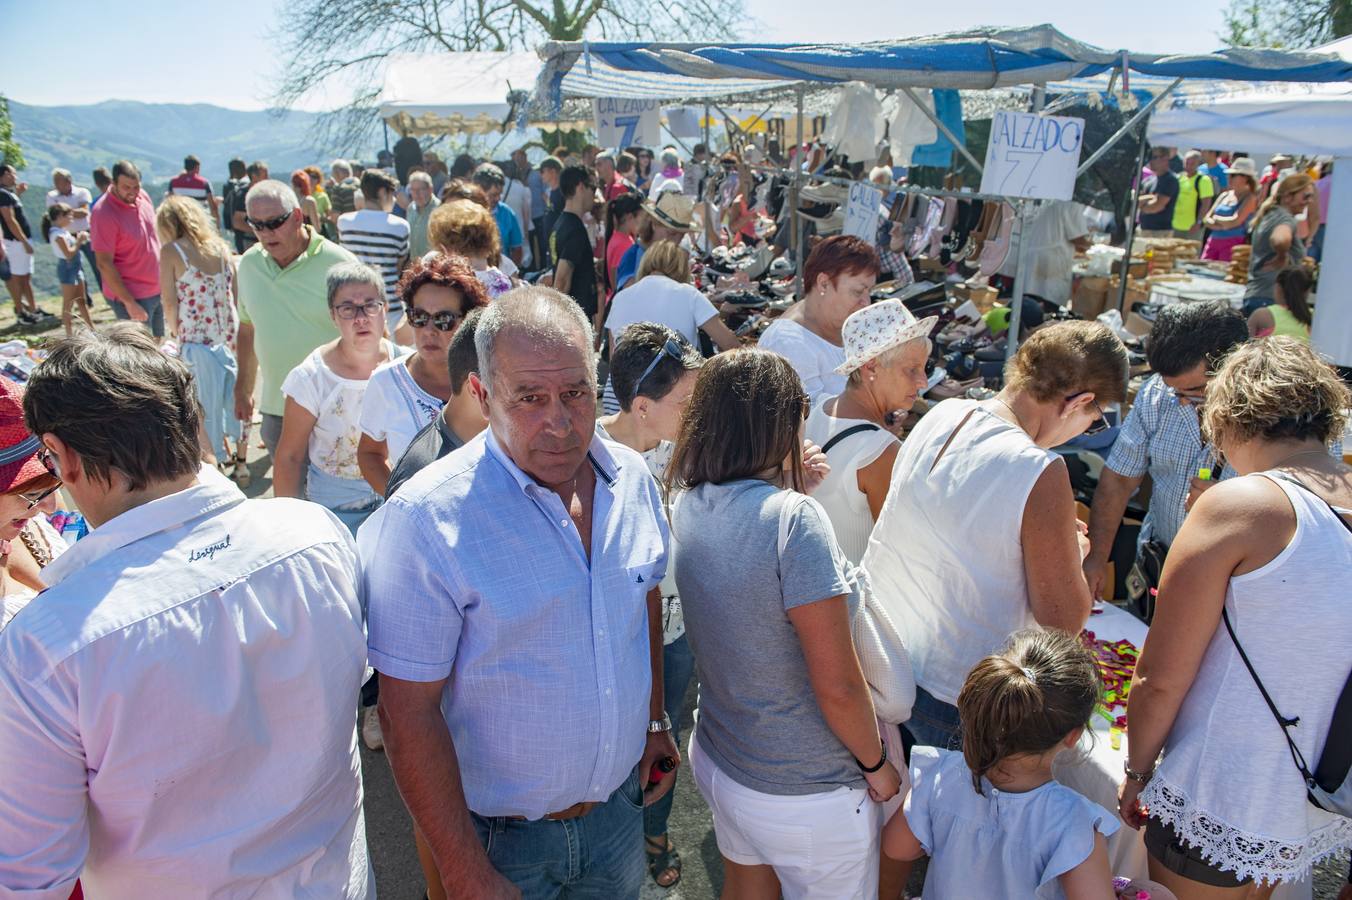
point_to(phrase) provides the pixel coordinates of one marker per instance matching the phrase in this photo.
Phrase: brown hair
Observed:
(116, 400)
(465, 228)
(840, 255)
(1295, 283)
(463, 189)
(1026, 698)
(665, 258)
(744, 417)
(448, 271)
(1296, 181)
(1069, 358)
(1275, 389)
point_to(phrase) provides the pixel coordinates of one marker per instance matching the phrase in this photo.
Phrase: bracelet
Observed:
(1138, 777)
(867, 770)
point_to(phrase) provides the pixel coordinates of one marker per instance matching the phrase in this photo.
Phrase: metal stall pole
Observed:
(796, 239)
(705, 123)
(1016, 299)
(1131, 225)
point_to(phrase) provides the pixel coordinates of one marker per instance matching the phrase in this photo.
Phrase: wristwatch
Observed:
(657, 726)
(1138, 777)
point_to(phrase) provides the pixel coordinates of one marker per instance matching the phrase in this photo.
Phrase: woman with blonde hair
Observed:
(1252, 618)
(200, 293)
(1276, 239)
(464, 228)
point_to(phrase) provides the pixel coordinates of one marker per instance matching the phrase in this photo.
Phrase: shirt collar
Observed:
(607, 469)
(316, 243)
(203, 497)
(110, 194)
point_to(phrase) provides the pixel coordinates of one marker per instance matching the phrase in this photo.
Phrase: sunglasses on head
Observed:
(370, 309)
(672, 349)
(267, 224)
(442, 321)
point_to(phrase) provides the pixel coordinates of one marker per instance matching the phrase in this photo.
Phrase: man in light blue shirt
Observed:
(515, 620)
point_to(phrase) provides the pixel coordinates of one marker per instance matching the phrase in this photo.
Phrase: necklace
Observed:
(42, 552)
(1286, 460)
(1005, 403)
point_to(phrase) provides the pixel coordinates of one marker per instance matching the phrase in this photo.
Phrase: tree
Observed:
(1286, 23)
(10, 151)
(323, 41)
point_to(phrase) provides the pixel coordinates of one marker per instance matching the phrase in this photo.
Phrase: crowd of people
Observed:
(525, 471)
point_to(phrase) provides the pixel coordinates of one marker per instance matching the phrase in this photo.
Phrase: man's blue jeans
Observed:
(154, 312)
(599, 855)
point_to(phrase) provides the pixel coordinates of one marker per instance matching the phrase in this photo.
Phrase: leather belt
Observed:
(576, 811)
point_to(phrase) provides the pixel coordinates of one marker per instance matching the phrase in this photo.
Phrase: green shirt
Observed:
(289, 309)
(417, 228)
(1192, 190)
(1284, 322)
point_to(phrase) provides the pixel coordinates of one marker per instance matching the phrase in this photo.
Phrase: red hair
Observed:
(300, 180)
(448, 271)
(840, 255)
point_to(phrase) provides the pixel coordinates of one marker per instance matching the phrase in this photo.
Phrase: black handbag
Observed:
(1144, 579)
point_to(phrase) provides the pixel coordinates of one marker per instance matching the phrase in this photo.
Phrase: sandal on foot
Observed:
(663, 859)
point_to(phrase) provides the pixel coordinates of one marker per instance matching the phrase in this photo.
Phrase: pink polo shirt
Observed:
(128, 233)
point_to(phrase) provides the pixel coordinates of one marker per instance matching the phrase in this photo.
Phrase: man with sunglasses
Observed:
(180, 698)
(1161, 435)
(127, 248)
(283, 300)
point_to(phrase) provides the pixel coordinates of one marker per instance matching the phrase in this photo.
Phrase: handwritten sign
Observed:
(861, 212)
(623, 122)
(1032, 156)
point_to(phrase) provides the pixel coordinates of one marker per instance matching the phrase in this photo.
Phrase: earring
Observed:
(873, 378)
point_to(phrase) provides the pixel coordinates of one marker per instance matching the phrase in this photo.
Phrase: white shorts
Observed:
(20, 260)
(821, 846)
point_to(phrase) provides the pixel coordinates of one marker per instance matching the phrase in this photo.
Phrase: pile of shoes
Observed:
(824, 204)
(742, 259)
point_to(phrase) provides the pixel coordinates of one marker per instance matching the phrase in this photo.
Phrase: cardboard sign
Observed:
(861, 212)
(1032, 156)
(622, 122)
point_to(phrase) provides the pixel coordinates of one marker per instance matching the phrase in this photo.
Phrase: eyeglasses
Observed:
(442, 321)
(370, 309)
(1099, 425)
(45, 457)
(267, 224)
(672, 349)
(1195, 396)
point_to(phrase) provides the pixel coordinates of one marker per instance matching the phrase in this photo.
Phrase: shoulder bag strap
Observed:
(853, 429)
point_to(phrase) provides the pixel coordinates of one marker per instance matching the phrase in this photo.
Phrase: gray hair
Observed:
(488, 175)
(272, 189)
(341, 165)
(542, 314)
(61, 173)
(889, 356)
(421, 177)
(344, 273)
(669, 158)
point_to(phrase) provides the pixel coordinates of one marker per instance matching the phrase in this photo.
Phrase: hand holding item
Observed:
(815, 466)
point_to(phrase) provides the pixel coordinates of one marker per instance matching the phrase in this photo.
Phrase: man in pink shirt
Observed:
(128, 249)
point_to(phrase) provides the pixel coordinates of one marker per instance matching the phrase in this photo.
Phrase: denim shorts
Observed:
(69, 271)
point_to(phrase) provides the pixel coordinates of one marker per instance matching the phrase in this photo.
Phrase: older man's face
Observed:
(420, 192)
(542, 404)
(282, 241)
(1191, 162)
(605, 170)
(61, 183)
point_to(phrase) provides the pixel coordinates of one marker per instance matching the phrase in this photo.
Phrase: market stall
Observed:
(1310, 119)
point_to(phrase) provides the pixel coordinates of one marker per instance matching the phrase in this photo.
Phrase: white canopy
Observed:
(458, 93)
(1309, 119)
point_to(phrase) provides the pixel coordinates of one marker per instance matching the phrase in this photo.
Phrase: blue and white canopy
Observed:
(979, 59)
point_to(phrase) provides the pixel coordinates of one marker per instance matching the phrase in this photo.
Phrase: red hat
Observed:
(19, 449)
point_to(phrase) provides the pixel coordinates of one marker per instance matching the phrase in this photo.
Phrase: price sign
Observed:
(1032, 156)
(623, 122)
(861, 212)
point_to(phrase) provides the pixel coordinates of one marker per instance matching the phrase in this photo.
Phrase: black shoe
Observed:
(26, 318)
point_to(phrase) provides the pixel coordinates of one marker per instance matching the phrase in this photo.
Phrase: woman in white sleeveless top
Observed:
(197, 285)
(885, 353)
(1270, 553)
(978, 537)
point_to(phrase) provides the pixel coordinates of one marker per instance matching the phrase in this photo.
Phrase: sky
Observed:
(154, 51)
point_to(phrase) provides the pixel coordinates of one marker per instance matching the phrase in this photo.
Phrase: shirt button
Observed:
(607, 747)
(607, 692)
(563, 523)
(601, 632)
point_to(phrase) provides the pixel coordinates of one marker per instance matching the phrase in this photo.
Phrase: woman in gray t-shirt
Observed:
(1276, 243)
(786, 749)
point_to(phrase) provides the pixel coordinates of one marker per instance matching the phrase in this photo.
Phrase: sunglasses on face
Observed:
(369, 310)
(1100, 424)
(671, 349)
(267, 224)
(442, 321)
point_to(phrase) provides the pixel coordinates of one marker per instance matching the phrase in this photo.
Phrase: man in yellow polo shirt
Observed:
(283, 300)
(1195, 191)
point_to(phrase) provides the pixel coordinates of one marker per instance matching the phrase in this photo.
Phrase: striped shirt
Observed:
(192, 185)
(380, 240)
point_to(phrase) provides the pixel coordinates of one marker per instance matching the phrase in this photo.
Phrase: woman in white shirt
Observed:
(886, 349)
(977, 538)
(406, 394)
(663, 294)
(837, 278)
(324, 400)
(1261, 563)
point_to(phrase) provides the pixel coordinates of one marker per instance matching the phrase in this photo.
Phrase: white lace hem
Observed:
(1245, 853)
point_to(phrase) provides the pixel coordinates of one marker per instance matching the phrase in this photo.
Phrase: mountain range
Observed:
(156, 136)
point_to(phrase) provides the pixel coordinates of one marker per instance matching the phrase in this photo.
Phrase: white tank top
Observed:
(1227, 782)
(946, 556)
(839, 493)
